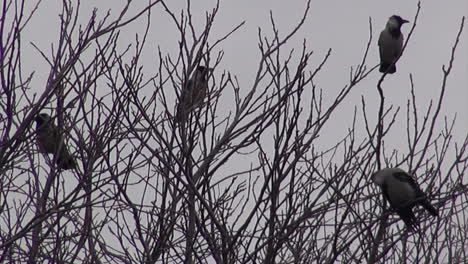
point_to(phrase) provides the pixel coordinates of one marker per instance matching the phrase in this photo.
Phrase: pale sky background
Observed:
(340, 25)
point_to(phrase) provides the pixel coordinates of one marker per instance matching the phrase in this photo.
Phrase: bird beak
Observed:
(404, 21)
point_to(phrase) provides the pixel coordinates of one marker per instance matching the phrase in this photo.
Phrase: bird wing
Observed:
(199, 92)
(405, 177)
(64, 160)
(389, 46)
(386, 49)
(405, 212)
(380, 43)
(399, 46)
(48, 137)
(49, 140)
(185, 102)
(381, 38)
(187, 93)
(387, 196)
(55, 134)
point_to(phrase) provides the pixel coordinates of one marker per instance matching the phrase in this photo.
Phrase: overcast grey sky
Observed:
(340, 25)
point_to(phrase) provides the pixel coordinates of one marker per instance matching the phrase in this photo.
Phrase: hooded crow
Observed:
(50, 140)
(391, 44)
(403, 193)
(193, 93)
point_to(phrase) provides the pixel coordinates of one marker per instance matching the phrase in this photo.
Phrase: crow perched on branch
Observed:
(403, 193)
(193, 93)
(391, 44)
(50, 141)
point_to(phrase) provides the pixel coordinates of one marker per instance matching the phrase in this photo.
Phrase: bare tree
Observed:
(240, 183)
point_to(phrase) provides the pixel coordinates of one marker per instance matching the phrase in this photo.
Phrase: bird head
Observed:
(42, 118)
(378, 178)
(203, 71)
(396, 21)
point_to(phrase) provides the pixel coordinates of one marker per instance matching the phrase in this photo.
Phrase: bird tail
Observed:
(65, 161)
(429, 208)
(181, 114)
(407, 215)
(387, 67)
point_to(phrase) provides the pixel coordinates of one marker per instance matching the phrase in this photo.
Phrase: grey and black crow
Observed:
(403, 193)
(391, 44)
(193, 93)
(50, 140)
